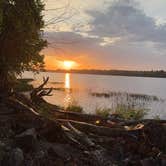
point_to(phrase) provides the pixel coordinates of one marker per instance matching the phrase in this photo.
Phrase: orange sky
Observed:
(85, 60)
(107, 34)
(53, 62)
(82, 62)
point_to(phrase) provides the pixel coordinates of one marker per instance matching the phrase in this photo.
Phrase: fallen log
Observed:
(98, 130)
(80, 136)
(143, 121)
(89, 118)
(77, 116)
(19, 105)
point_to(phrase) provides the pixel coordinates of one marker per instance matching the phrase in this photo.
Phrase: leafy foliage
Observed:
(21, 36)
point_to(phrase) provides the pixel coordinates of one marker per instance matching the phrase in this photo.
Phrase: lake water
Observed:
(78, 88)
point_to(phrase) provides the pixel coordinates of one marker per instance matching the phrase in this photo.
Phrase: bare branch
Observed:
(38, 93)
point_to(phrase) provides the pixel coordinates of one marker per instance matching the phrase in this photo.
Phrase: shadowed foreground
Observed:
(26, 138)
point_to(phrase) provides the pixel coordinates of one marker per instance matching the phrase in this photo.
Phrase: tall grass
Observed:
(122, 111)
(74, 107)
(104, 112)
(130, 113)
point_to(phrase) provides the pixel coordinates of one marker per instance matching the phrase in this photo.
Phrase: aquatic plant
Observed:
(135, 96)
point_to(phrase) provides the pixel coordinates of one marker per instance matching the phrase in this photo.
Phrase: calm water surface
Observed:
(78, 88)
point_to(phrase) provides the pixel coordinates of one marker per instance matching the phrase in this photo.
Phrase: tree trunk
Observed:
(5, 87)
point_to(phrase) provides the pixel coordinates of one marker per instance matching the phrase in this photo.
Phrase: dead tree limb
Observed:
(38, 93)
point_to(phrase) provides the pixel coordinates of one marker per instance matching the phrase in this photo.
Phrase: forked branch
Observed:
(38, 93)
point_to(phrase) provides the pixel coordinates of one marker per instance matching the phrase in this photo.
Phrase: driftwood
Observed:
(143, 121)
(80, 136)
(98, 130)
(81, 117)
(78, 116)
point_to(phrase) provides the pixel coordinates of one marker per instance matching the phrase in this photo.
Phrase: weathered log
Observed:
(89, 118)
(80, 136)
(143, 121)
(19, 105)
(98, 130)
(97, 153)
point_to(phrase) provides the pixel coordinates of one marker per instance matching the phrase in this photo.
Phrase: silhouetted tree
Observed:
(21, 39)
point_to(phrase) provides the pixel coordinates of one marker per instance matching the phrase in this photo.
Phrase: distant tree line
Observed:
(157, 73)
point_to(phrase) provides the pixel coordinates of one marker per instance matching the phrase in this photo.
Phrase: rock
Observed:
(52, 132)
(5, 109)
(151, 131)
(2, 151)
(27, 140)
(61, 150)
(162, 158)
(16, 157)
(2, 144)
(40, 154)
(163, 162)
(148, 162)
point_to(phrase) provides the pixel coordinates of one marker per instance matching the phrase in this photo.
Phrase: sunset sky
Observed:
(106, 34)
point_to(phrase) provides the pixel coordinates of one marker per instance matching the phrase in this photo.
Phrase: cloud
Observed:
(126, 20)
(120, 37)
(89, 52)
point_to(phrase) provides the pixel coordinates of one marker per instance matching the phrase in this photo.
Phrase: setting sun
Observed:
(68, 64)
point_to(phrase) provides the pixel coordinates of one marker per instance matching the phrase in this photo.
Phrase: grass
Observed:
(128, 106)
(22, 85)
(74, 107)
(130, 113)
(122, 111)
(104, 112)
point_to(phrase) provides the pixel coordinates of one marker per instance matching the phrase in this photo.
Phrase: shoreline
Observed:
(145, 74)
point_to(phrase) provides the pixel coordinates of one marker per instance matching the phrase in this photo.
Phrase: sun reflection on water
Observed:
(67, 81)
(68, 98)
